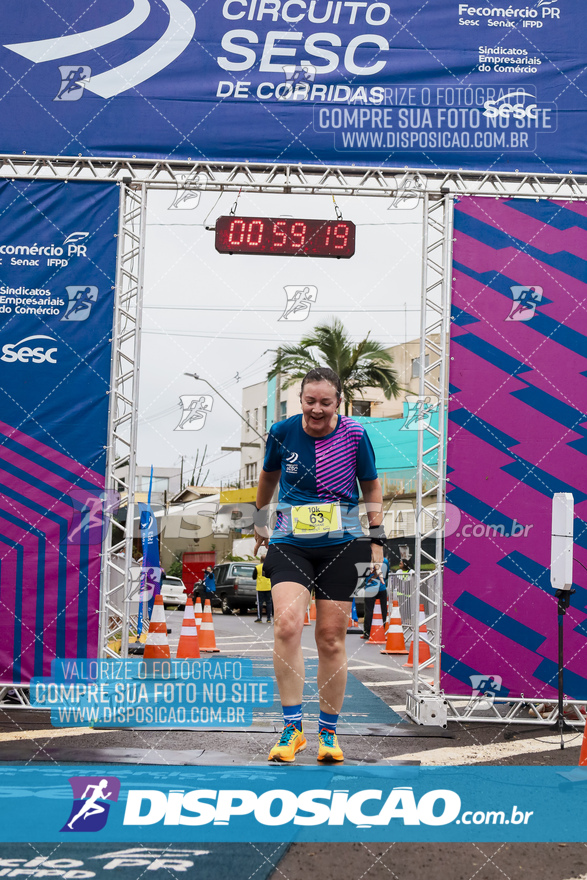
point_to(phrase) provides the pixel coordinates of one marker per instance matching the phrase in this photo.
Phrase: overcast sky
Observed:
(217, 314)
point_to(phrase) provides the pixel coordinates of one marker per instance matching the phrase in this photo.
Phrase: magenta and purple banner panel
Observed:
(57, 269)
(517, 434)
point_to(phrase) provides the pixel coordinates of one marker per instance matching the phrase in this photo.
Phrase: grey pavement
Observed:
(384, 675)
(474, 744)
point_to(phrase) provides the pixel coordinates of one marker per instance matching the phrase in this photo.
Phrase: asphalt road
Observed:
(240, 636)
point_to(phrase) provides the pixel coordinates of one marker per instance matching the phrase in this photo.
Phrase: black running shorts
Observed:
(333, 572)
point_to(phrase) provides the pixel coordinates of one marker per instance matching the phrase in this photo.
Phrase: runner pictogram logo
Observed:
(91, 797)
(525, 300)
(73, 80)
(81, 299)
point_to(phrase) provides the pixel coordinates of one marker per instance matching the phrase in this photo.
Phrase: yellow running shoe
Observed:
(329, 751)
(292, 741)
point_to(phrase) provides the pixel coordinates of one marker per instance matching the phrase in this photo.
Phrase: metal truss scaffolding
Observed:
(301, 179)
(115, 594)
(426, 703)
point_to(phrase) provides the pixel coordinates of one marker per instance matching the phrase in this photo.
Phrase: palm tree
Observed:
(364, 365)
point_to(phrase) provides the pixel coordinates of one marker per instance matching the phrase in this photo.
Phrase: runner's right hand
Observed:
(260, 541)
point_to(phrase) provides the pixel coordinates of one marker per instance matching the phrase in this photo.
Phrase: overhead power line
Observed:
(277, 311)
(236, 337)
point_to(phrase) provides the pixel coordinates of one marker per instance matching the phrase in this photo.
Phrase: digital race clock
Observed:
(282, 235)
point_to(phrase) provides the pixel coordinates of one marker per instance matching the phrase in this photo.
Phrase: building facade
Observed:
(267, 402)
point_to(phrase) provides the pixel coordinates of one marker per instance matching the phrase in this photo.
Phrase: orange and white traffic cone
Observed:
(157, 644)
(424, 647)
(206, 634)
(377, 631)
(189, 644)
(198, 613)
(395, 643)
(583, 755)
(307, 619)
(313, 609)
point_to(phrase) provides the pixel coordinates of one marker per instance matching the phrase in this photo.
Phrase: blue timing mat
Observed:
(361, 705)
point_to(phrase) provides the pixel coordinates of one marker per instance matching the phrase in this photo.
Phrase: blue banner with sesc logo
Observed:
(441, 84)
(57, 274)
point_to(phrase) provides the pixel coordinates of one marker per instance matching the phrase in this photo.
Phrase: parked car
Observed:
(236, 587)
(173, 591)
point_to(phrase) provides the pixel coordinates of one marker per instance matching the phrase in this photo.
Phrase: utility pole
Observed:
(197, 483)
(278, 391)
(195, 466)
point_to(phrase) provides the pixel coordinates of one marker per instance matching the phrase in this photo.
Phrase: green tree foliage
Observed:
(365, 364)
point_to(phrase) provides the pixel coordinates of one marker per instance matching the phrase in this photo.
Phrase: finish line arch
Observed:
(439, 191)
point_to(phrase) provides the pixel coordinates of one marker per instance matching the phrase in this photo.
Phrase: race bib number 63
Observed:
(315, 519)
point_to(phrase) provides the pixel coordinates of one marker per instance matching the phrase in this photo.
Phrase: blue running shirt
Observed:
(317, 475)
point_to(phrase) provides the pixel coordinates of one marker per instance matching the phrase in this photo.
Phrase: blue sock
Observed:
(328, 721)
(293, 715)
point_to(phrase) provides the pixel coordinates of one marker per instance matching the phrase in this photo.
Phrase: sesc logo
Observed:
(504, 108)
(18, 351)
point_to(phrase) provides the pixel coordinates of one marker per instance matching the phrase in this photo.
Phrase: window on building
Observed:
(283, 410)
(361, 408)
(251, 474)
(264, 425)
(416, 366)
(247, 419)
(160, 484)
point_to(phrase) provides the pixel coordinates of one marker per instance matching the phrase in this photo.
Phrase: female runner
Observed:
(317, 543)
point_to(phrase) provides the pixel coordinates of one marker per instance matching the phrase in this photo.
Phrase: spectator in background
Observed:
(209, 584)
(263, 590)
(375, 588)
(404, 571)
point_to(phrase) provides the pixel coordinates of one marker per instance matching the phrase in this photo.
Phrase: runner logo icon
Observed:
(73, 80)
(195, 409)
(485, 688)
(483, 685)
(418, 413)
(299, 302)
(189, 189)
(90, 802)
(81, 299)
(525, 301)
